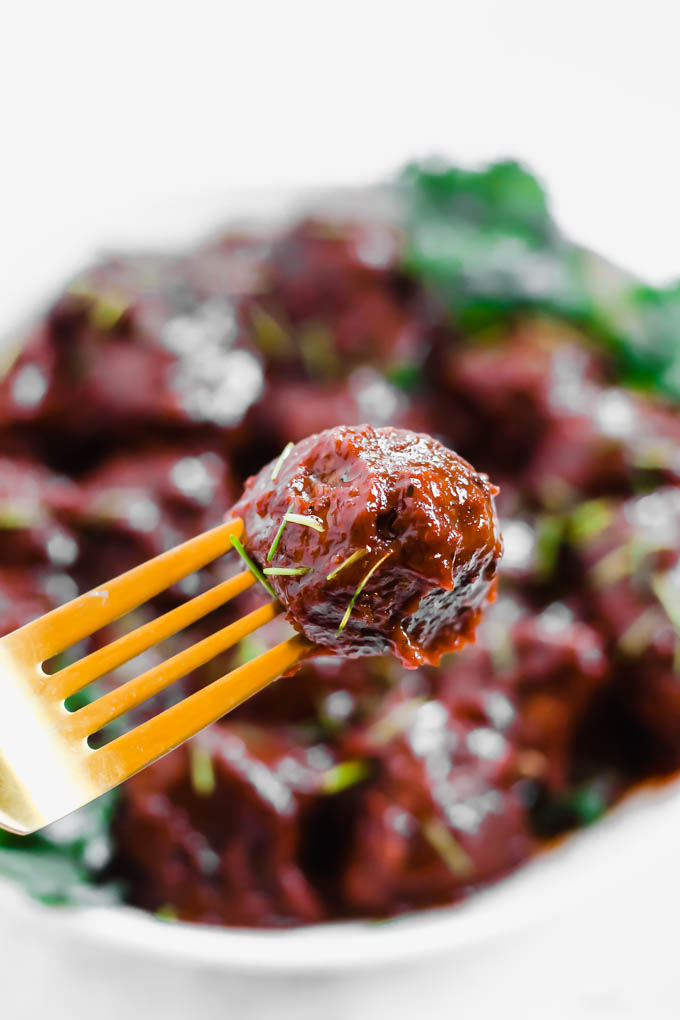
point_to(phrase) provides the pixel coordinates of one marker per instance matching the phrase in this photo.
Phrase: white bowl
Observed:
(591, 921)
(585, 907)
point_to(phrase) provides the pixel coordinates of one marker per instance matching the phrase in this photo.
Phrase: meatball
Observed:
(375, 540)
(212, 830)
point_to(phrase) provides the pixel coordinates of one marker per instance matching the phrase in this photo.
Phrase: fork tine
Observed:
(132, 751)
(70, 623)
(78, 675)
(113, 704)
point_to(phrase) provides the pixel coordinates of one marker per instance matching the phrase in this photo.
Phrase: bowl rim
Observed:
(563, 877)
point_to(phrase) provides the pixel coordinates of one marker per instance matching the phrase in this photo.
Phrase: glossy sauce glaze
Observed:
(392, 544)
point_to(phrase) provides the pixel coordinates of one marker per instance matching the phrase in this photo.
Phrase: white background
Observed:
(108, 104)
(111, 106)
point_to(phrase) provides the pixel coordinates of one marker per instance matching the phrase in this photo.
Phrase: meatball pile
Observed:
(131, 416)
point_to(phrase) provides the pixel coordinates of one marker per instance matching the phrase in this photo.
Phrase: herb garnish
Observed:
(344, 775)
(286, 571)
(252, 567)
(668, 597)
(167, 913)
(306, 520)
(439, 836)
(201, 770)
(360, 588)
(277, 538)
(357, 555)
(284, 453)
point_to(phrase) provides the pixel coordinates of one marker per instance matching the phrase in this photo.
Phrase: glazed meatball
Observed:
(375, 540)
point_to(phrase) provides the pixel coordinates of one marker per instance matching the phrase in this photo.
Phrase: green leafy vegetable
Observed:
(484, 241)
(407, 376)
(62, 864)
(588, 803)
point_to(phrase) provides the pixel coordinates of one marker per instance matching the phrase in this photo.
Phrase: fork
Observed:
(47, 768)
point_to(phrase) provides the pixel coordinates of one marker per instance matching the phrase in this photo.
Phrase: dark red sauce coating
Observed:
(131, 418)
(386, 500)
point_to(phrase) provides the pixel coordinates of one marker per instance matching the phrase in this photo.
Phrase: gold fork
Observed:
(47, 768)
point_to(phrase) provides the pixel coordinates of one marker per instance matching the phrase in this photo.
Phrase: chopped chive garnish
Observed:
(549, 536)
(640, 633)
(668, 597)
(360, 588)
(344, 775)
(201, 771)
(345, 563)
(613, 566)
(252, 567)
(589, 519)
(167, 913)
(286, 571)
(309, 522)
(277, 538)
(284, 453)
(439, 836)
(107, 312)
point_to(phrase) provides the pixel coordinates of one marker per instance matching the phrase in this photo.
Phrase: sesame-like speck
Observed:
(401, 821)
(219, 386)
(486, 743)
(376, 247)
(657, 515)
(294, 774)
(378, 401)
(615, 414)
(519, 543)
(468, 815)
(319, 757)
(97, 853)
(555, 618)
(143, 514)
(427, 731)
(212, 323)
(29, 386)
(269, 786)
(62, 549)
(190, 584)
(463, 816)
(60, 588)
(192, 477)
(499, 709)
(208, 861)
(338, 705)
